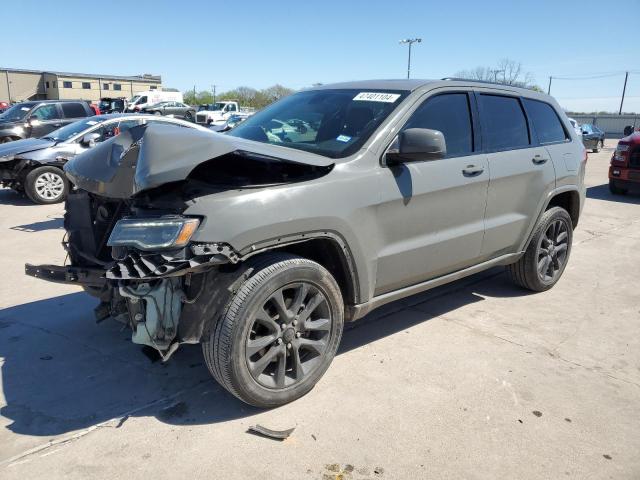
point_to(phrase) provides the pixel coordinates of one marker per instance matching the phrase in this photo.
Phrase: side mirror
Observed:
(33, 121)
(90, 139)
(415, 144)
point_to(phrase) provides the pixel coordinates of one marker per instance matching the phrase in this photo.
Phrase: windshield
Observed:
(214, 106)
(68, 131)
(333, 123)
(15, 113)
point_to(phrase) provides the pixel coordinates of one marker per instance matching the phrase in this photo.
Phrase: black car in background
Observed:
(174, 109)
(592, 137)
(112, 105)
(38, 118)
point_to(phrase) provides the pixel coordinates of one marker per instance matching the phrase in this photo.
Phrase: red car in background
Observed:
(3, 106)
(624, 172)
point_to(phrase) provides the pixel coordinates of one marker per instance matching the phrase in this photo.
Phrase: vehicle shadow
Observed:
(61, 372)
(11, 197)
(50, 224)
(601, 192)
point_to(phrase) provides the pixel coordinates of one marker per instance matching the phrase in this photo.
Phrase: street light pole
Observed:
(410, 41)
(624, 90)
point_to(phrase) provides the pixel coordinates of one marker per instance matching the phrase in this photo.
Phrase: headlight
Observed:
(153, 233)
(7, 158)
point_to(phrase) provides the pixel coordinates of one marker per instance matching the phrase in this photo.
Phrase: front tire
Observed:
(547, 255)
(278, 333)
(46, 185)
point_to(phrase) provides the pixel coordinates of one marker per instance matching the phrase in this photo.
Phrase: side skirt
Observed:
(360, 310)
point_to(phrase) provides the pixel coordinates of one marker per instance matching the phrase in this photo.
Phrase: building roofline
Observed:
(134, 78)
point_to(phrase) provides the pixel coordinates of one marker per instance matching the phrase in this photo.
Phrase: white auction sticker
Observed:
(377, 97)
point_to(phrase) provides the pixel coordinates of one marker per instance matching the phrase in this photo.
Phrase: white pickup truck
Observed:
(218, 113)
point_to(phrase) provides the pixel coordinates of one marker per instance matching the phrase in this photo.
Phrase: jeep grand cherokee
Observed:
(262, 242)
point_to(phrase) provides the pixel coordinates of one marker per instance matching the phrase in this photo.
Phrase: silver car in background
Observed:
(34, 165)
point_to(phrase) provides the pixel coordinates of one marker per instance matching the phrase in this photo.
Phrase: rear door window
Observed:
(73, 110)
(545, 121)
(504, 125)
(450, 114)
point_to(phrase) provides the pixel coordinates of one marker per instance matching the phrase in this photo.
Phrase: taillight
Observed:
(621, 154)
(585, 157)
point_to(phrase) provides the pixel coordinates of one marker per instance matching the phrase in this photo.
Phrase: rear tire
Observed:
(547, 254)
(46, 185)
(278, 333)
(614, 189)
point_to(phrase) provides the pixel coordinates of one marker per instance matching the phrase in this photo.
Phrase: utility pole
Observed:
(410, 41)
(624, 89)
(213, 90)
(549, 88)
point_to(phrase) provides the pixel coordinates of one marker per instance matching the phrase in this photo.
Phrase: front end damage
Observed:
(167, 288)
(164, 296)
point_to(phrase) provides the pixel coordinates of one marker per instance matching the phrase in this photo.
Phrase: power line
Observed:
(592, 76)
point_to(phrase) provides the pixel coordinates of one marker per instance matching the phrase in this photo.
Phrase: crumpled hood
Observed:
(146, 157)
(20, 147)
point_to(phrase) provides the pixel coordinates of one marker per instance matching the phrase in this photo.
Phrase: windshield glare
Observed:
(15, 113)
(334, 123)
(68, 131)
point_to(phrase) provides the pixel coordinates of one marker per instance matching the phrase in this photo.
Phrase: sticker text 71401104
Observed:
(376, 97)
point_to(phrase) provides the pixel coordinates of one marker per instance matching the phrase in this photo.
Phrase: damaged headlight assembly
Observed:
(153, 233)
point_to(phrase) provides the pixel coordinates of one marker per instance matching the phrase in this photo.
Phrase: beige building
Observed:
(17, 85)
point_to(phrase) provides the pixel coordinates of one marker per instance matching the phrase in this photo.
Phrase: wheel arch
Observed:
(567, 197)
(326, 248)
(570, 201)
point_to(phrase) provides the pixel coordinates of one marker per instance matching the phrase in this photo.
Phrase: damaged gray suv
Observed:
(260, 243)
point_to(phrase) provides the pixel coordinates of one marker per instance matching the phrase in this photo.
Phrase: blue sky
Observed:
(260, 43)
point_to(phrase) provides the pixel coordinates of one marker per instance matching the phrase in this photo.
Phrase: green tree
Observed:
(245, 96)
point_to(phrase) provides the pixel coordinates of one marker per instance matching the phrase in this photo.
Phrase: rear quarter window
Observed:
(73, 110)
(545, 121)
(504, 125)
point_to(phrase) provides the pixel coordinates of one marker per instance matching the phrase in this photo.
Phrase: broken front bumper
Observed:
(90, 277)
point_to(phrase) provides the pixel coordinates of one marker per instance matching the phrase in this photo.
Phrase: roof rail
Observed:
(458, 79)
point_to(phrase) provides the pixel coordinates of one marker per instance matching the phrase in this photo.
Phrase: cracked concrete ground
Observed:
(477, 379)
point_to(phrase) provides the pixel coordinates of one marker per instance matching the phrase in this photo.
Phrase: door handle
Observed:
(539, 160)
(472, 170)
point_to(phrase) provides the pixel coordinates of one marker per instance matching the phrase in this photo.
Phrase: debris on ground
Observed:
(273, 434)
